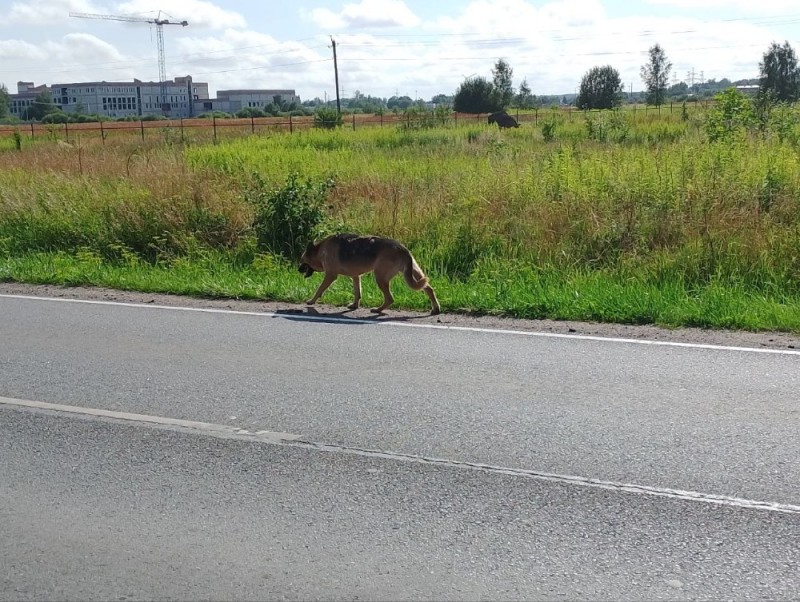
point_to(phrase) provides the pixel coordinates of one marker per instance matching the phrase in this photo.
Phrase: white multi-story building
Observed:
(117, 99)
(232, 101)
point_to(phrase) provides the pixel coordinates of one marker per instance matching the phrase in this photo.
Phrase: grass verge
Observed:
(585, 296)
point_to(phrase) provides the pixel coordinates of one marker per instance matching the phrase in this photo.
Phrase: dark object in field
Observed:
(306, 270)
(503, 120)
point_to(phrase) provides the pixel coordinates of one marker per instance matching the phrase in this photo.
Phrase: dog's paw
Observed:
(310, 302)
(353, 306)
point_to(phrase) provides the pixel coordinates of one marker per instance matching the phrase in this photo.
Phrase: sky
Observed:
(415, 48)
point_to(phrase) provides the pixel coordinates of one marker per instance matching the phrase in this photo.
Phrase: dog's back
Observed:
(352, 254)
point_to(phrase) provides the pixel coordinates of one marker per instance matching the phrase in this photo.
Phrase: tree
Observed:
(655, 75)
(679, 89)
(42, 105)
(780, 75)
(502, 75)
(442, 99)
(601, 88)
(525, 98)
(5, 101)
(476, 95)
(399, 102)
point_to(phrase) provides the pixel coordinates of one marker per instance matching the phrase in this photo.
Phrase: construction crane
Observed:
(159, 23)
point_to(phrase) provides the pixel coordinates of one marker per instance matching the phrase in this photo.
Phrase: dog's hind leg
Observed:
(356, 293)
(383, 284)
(326, 282)
(435, 307)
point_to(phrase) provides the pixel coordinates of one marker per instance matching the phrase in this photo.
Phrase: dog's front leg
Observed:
(326, 282)
(356, 293)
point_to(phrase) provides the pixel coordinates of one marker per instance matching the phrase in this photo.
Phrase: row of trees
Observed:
(601, 87)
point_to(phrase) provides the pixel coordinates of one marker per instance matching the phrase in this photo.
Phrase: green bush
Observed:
(287, 219)
(730, 116)
(327, 117)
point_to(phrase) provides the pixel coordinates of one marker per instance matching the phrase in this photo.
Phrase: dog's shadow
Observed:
(311, 314)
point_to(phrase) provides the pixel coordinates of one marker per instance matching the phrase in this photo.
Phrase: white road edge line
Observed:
(287, 439)
(218, 430)
(322, 318)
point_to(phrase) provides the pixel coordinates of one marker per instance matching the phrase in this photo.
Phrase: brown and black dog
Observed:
(353, 255)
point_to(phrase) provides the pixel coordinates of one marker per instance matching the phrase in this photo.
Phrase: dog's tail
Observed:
(415, 277)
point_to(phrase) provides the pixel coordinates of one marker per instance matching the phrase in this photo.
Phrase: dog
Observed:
(353, 255)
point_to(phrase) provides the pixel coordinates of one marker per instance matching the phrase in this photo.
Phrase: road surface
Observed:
(154, 452)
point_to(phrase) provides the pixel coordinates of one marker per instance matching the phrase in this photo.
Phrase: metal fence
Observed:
(215, 128)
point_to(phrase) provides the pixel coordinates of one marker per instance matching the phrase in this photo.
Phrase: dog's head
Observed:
(309, 260)
(306, 270)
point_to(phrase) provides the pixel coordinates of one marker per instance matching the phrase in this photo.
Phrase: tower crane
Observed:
(159, 23)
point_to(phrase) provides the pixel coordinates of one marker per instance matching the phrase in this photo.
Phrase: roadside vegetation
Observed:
(687, 218)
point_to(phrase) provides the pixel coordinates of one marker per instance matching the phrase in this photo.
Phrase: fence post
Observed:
(214, 125)
(291, 128)
(141, 127)
(32, 134)
(102, 133)
(182, 138)
(536, 116)
(253, 123)
(354, 122)
(66, 132)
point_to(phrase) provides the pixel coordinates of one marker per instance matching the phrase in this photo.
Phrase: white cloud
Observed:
(16, 50)
(83, 47)
(248, 59)
(366, 14)
(771, 7)
(551, 43)
(43, 12)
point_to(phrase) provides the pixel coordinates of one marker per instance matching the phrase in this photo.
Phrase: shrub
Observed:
(248, 112)
(730, 116)
(286, 219)
(328, 118)
(58, 117)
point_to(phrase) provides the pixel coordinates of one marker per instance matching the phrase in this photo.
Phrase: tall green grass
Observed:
(610, 216)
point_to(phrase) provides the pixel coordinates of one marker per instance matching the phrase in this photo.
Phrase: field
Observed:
(630, 217)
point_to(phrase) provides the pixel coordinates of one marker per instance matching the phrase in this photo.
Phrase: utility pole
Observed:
(336, 73)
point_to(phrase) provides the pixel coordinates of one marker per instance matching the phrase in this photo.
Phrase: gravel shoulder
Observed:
(767, 340)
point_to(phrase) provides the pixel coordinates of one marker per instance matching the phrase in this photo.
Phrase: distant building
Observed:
(184, 97)
(24, 98)
(116, 99)
(232, 101)
(750, 89)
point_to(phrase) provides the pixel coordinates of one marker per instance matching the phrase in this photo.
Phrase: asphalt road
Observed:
(598, 461)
